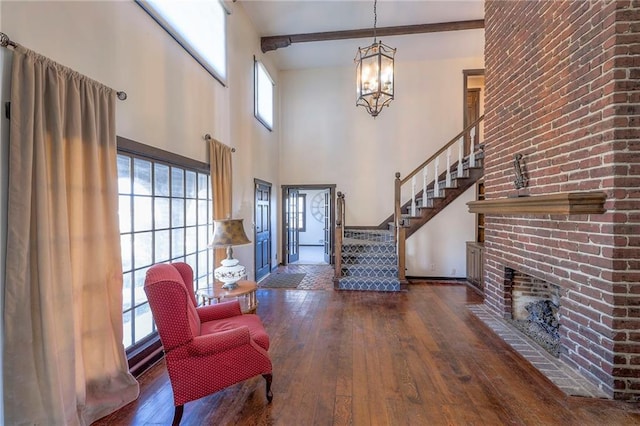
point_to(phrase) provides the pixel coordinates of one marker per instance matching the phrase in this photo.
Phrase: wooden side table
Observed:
(245, 292)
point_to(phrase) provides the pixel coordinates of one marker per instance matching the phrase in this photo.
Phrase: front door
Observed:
(292, 223)
(262, 235)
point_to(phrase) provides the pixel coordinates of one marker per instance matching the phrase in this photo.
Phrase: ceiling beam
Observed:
(275, 42)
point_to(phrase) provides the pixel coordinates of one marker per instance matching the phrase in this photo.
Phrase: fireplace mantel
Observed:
(559, 203)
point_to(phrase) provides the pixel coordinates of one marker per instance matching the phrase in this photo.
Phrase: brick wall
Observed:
(563, 88)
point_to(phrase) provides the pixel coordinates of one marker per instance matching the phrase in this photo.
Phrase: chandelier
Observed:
(374, 73)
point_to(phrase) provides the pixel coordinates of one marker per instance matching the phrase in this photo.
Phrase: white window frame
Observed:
(199, 26)
(264, 94)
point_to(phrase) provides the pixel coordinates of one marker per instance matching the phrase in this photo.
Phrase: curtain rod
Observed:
(5, 41)
(208, 137)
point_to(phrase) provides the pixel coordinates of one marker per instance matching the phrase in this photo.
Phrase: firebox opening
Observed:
(535, 306)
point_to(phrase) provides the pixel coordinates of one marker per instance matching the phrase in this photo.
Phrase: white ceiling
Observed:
(277, 17)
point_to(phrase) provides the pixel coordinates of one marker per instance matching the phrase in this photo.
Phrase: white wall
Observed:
(172, 101)
(325, 138)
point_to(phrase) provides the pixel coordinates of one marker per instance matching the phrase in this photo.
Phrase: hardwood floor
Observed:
(413, 358)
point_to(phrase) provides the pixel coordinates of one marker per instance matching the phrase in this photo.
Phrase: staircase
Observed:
(372, 258)
(369, 261)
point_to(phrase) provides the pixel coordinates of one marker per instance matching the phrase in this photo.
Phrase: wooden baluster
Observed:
(460, 156)
(413, 196)
(448, 175)
(436, 183)
(472, 155)
(425, 183)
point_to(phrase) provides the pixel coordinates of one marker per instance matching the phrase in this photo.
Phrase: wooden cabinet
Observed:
(475, 264)
(475, 249)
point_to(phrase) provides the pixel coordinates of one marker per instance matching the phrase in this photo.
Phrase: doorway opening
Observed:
(473, 102)
(308, 218)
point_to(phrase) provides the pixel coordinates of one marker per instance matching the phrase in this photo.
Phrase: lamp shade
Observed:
(228, 232)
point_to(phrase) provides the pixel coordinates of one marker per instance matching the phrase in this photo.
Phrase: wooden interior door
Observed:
(262, 235)
(293, 231)
(328, 227)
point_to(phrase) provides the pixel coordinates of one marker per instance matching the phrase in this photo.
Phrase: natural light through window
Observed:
(264, 95)
(199, 26)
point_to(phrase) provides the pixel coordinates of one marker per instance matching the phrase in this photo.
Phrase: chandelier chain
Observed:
(375, 19)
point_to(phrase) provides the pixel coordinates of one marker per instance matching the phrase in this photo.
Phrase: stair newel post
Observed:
(460, 155)
(339, 235)
(396, 205)
(436, 181)
(425, 183)
(402, 236)
(413, 196)
(472, 155)
(448, 175)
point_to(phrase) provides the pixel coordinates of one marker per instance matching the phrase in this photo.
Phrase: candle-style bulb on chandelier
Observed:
(374, 73)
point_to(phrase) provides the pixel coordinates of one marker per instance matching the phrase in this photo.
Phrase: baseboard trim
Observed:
(423, 278)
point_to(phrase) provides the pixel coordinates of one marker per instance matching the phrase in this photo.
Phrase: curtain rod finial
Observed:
(207, 137)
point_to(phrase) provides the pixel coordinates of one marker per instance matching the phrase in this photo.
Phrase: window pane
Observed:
(198, 26)
(142, 213)
(177, 242)
(192, 212)
(203, 211)
(144, 322)
(141, 177)
(163, 246)
(161, 180)
(191, 241)
(177, 182)
(124, 213)
(177, 212)
(203, 186)
(162, 213)
(125, 250)
(126, 291)
(264, 95)
(127, 335)
(190, 184)
(139, 296)
(124, 175)
(143, 249)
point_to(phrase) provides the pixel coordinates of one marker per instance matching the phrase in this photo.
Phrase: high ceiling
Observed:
(277, 17)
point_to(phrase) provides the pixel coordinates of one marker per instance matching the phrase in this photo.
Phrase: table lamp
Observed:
(228, 233)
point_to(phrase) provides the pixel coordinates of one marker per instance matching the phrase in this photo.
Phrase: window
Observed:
(199, 27)
(165, 210)
(263, 108)
(302, 213)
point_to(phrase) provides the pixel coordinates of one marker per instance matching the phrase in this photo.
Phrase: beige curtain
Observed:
(220, 163)
(64, 361)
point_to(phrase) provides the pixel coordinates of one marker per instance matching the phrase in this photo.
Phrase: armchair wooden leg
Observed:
(268, 378)
(177, 415)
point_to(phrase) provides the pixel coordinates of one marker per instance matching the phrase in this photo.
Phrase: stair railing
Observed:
(463, 146)
(339, 235)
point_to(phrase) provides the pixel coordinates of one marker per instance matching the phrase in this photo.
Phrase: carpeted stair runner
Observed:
(369, 261)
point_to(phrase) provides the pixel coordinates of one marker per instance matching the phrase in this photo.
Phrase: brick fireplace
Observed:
(563, 90)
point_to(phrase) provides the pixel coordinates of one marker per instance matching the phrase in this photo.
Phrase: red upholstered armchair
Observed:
(207, 348)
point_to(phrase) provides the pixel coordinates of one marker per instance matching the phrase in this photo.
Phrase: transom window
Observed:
(165, 216)
(199, 27)
(263, 108)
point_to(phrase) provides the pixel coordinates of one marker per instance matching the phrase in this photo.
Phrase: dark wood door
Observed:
(473, 113)
(328, 241)
(262, 235)
(292, 222)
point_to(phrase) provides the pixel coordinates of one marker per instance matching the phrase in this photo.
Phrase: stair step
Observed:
(368, 284)
(374, 235)
(373, 270)
(386, 259)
